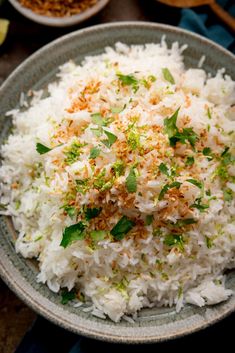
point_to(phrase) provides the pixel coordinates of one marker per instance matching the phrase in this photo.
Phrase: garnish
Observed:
(228, 195)
(208, 152)
(174, 240)
(97, 132)
(42, 149)
(209, 113)
(94, 152)
(70, 210)
(184, 222)
(97, 119)
(175, 184)
(189, 161)
(149, 219)
(118, 167)
(131, 181)
(175, 135)
(133, 140)
(168, 76)
(164, 169)
(111, 139)
(92, 213)
(67, 296)
(98, 235)
(209, 242)
(73, 152)
(117, 110)
(123, 226)
(73, 233)
(129, 80)
(195, 182)
(198, 204)
(82, 185)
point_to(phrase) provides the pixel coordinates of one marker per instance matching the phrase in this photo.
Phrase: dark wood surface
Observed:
(24, 38)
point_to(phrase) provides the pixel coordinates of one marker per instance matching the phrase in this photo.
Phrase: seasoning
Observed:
(58, 8)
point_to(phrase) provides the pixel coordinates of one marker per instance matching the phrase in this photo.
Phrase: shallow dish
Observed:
(152, 325)
(59, 21)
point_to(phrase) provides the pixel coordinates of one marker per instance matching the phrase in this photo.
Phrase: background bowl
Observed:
(59, 21)
(36, 72)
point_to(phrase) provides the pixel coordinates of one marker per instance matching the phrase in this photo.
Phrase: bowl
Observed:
(152, 325)
(59, 21)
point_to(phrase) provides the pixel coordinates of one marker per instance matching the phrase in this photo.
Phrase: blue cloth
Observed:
(198, 22)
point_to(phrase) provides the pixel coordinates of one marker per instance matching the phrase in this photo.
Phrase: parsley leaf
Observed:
(197, 204)
(117, 110)
(82, 185)
(111, 139)
(149, 219)
(70, 210)
(170, 124)
(207, 152)
(73, 233)
(67, 296)
(97, 119)
(228, 195)
(164, 169)
(195, 182)
(133, 140)
(209, 113)
(131, 181)
(118, 167)
(175, 184)
(73, 152)
(189, 161)
(42, 149)
(174, 240)
(209, 242)
(123, 226)
(98, 235)
(92, 213)
(128, 80)
(184, 222)
(168, 76)
(94, 152)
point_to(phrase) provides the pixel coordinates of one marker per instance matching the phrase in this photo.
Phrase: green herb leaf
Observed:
(174, 240)
(94, 153)
(70, 210)
(133, 140)
(149, 219)
(208, 152)
(111, 139)
(118, 167)
(73, 152)
(170, 124)
(42, 149)
(228, 195)
(73, 233)
(186, 135)
(127, 80)
(97, 119)
(98, 235)
(67, 296)
(92, 213)
(168, 76)
(209, 113)
(197, 204)
(184, 222)
(123, 226)
(117, 110)
(82, 185)
(195, 182)
(131, 181)
(209, 242)
(97, 132)
(164, 169)
(175, 184)
(189, 161)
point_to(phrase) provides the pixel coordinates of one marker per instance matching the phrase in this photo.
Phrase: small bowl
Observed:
(59, 21)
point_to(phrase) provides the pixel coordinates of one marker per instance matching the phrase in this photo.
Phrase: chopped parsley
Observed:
(131, 181)
(168, 76)
(73, 233)
(209, 113)
(149, 219)
(209, 242)
(174, 135)
(94, 153)
(199, 205)
(207, 152)
(133, 140)
(184, 222)
(82, 185)
(98, 235)
(97, 132)
(228, 195)
(117, 110)
(92, 213)
(123, 226)
(175, 184)
(67, 296)
(129, 80)
(70, 210)
(164, 169)
(195, 182)
(111, 139)
(174, 240)
(97, 119)
(189, 161)
(42, 149)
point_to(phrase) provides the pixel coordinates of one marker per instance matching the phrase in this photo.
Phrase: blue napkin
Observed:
(197, 22)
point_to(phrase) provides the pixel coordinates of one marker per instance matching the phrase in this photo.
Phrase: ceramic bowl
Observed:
(59, 21)
(36, 72)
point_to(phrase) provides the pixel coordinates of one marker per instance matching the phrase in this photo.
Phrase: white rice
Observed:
(145, 268)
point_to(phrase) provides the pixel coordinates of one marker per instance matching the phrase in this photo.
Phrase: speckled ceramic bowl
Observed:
(36, 72)
(59, 21)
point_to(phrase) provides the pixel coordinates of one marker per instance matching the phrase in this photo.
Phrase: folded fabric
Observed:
(197, 22)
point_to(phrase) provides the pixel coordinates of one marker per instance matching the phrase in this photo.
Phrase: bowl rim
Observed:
(12, 276)
(59, 21)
